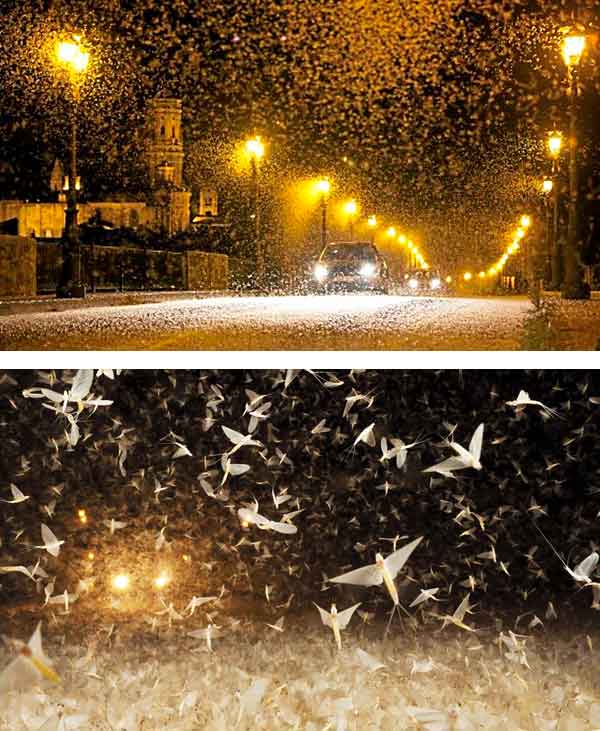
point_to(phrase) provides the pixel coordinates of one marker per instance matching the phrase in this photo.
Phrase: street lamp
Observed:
(255, 151)
(74, 59)
(323, 187)
(351, 209)
(573, 47)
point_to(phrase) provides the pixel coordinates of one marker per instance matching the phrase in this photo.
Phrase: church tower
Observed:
(165, 146)
(165, 165)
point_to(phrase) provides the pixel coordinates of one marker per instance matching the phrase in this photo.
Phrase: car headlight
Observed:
(435, 283)
(412, 283)
(321, 272)
(367, 269)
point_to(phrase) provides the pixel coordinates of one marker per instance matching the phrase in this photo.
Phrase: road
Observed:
(336, 322)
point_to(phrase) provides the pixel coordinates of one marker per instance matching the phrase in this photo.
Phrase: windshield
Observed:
(345, 252)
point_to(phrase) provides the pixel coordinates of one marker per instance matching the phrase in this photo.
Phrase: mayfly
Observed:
(337, 621)
(383, 571)
(583, 571)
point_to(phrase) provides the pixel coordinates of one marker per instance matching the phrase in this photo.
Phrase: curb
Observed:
(52, 304)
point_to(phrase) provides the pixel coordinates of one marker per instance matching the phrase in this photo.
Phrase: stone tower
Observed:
(165, 146)
(165, 164)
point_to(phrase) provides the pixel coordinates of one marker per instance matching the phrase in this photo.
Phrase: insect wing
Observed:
(51, 542)
(325, 616)
(81, 384)
(395, 561)
(476, 442)
(365, 576)
(587, 566)
(345, 616)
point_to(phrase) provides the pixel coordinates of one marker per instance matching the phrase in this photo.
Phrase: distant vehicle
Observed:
(424, 280)
(351, 265)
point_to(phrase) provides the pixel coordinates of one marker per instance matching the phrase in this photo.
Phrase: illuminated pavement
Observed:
(347, 322)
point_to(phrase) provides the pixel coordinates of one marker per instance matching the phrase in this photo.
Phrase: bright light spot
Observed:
(448, 279)
(323, 186)
(73, 55)
(372, 221)
(351, 208)
(413, 283)
(554, 143)
(525, 221)
(321, 272)
(186, 557)
(255, 148)
(367, 269)
(467, 276)
(481, 274)
(90, 556)
(402, 239)
(81, 515)
(435, 283)
(520, 233)
(391, 232)
(573, 47)
(161, 581)
(120, 582)
(547, 185)
(245, 524)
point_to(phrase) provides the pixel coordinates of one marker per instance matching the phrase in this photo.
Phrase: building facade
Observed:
(168, 211)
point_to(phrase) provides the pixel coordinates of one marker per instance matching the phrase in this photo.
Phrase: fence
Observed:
(127, 268)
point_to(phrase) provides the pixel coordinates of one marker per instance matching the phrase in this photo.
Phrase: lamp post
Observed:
(74, 59)
(554, 144)
(372, 224)
(351, 210)
(255, 150)
(547, 187)
(573, 287)
(323, 186)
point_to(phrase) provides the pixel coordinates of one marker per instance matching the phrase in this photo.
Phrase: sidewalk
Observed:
(49, 303)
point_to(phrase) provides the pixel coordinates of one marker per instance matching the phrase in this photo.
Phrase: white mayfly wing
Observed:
(365, 576)
(476, 442)
(395, 561)
(82, 384)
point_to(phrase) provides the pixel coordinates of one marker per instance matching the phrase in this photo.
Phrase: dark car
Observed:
(351, 265)
(423, 281)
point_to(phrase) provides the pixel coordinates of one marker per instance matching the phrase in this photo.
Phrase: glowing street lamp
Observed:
(554, 143)
(323, 187)
(573, 47)
(467, 276)
(351, 209)
(255, 151)
(72, 58)
(547, 186)
(525, 221)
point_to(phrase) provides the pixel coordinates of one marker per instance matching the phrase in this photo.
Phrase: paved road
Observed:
(346, 322)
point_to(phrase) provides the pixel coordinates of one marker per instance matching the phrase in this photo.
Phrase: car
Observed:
(346, 265)
(424, 281)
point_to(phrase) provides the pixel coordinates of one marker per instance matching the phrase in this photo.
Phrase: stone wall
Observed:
(206, 271)
(18, 260)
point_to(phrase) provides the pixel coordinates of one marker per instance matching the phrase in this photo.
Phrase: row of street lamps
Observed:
(571, 285)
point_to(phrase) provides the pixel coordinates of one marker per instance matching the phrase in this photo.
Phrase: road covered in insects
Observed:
(255, 677)
(346, 322)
